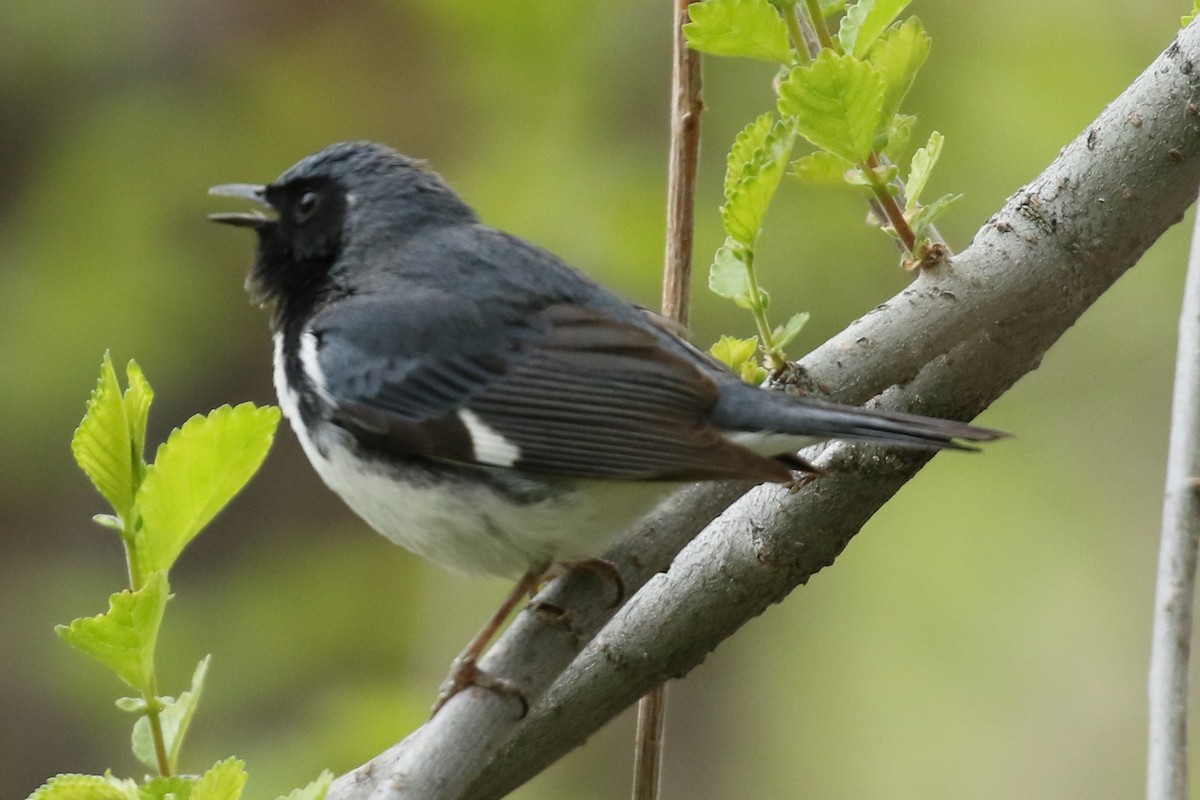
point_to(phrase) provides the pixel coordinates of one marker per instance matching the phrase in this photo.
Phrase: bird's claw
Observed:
(465, 673)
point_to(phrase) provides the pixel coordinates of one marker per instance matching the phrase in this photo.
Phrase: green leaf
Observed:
(123, 638)
(784, 334)
(745, 301)
(865, 21)
(821, 167)
(224, 781)
(920, 169)
(86, 787)
(740, 356)
(831, 7)
(196, 472)
(746, 28)
(898, 56)
(753, 373)
(137, 400)
(898, 134)
(316, 790)
(1186, 19)
(176, 787)
(749, 141)
(101, 444)
(925, 215)
(175, 717)
(732, 351)
(727, 277)
(755, 179)
(836, 101)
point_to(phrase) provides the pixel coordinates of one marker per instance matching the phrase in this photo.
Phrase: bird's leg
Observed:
(464, 670)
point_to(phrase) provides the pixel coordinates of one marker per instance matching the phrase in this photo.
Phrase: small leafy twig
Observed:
(842, 93)
(686, 108)
(157, 510)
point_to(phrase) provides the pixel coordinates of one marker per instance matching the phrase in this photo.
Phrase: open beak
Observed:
(245, 191)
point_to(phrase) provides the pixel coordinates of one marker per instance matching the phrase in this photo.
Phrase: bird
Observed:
(482, 403)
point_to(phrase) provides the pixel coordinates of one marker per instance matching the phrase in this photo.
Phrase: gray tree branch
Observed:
(948, 345)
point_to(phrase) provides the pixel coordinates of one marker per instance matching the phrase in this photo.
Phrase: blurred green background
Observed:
(986, 636)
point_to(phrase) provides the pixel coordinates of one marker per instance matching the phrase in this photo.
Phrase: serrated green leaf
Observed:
(137, 400)
(1186, 19)
(898, 134)
(740, 355)
(101, 444)
(749, 141)
(727, 276)
(745, 28)
(822, 168)
(86, 787)
(925, 215)
(784, 334)
(224, 781)
(123, 638)
(831, 7)
(316, 790)
(865, 21)
(920, 169)
(174, 718)
(748, 199)
(753, 373)
(732, 351)
(196, 472)
(898, 56)
(176, 787)
(836, 101)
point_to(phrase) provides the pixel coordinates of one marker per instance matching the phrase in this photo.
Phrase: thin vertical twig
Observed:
(647, 754)
(1167, 772)
(686, 107)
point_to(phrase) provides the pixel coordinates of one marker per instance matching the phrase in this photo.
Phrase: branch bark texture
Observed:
(948, 345)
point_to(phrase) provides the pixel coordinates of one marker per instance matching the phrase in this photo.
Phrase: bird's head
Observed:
(350, 198)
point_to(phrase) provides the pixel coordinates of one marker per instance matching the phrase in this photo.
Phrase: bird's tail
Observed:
(768, 420)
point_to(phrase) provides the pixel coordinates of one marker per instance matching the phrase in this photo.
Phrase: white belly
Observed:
(472, 527)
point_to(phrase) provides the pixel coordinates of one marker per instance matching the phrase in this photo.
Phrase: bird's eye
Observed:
(306, 205)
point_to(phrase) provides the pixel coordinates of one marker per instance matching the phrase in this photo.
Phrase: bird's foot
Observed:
(465, 673)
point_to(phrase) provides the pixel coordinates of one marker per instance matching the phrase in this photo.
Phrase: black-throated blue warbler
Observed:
(480, 402)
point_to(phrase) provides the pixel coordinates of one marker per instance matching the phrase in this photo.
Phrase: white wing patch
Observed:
(490, 446)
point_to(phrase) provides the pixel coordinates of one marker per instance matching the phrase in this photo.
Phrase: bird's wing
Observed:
(560, 389)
